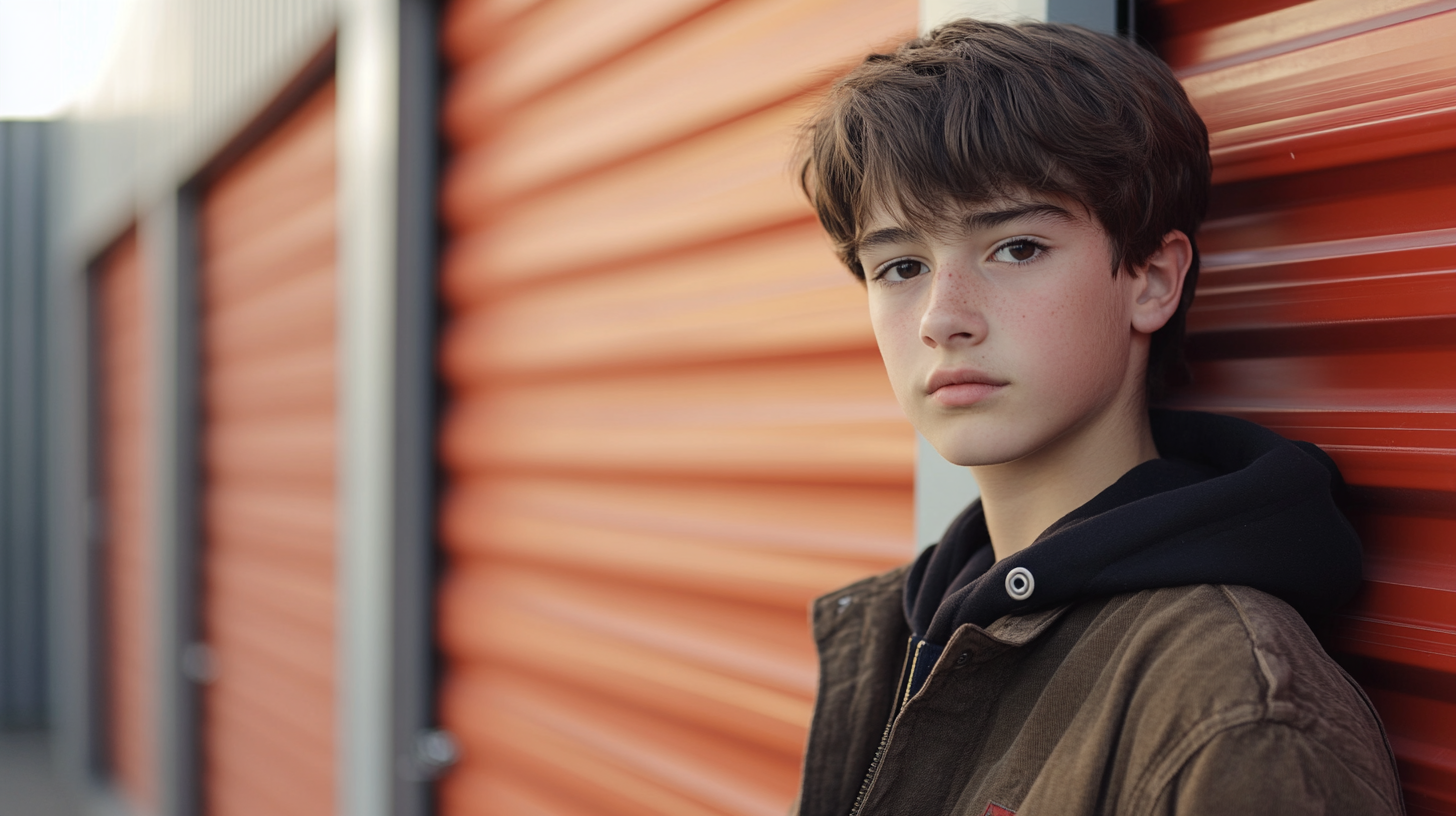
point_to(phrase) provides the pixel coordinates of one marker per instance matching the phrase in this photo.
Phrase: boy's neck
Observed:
(1024, 497)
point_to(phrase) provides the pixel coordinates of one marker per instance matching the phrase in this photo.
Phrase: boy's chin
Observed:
(975, 450)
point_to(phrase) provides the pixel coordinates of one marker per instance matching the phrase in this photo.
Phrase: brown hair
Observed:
(976, 111)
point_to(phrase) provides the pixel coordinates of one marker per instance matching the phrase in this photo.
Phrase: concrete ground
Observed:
(27, 786)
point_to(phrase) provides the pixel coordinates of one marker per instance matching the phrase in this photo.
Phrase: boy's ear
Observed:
(1159, 282)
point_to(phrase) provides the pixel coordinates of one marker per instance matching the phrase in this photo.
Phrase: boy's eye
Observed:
(902, 270)
(1019, 251)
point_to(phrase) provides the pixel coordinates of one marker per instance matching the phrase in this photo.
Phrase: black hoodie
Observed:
(1229, 502)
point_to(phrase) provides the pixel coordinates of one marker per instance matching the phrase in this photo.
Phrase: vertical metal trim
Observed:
(185, 580)
(7, 544)
(169, 234)
(22, 593)
(157, 238)
(368, 88)
(22, 586)
(415, 391)
(22, 644)
(25, 459)
(78, 711)
(23, 612)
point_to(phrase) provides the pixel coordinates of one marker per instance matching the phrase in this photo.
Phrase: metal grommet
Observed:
(962, 659)
(1020, 584)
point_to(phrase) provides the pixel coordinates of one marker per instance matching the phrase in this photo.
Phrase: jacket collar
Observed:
(851, 605)
(1228, 502)
(1019, 630)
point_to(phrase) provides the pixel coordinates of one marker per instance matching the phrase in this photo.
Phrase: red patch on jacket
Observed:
(994, 809)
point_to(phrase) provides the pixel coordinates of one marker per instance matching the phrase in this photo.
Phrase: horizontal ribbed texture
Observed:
(1327, 307)
(269, 505)
(667, 427)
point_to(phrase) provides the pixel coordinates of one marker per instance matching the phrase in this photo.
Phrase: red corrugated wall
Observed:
(667, 427)
(124, 369)
(1327, 308)
(269, 348)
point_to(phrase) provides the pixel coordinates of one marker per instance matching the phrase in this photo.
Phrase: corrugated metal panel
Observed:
(185, 76)
(269, 391)
(1327, 308)
(124, 409)
(667, 426)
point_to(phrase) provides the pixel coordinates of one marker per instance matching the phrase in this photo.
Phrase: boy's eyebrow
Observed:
(986, 219)
(982, 219)
(888, 235)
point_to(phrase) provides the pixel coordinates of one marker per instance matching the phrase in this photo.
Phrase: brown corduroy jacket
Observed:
(1186, 700)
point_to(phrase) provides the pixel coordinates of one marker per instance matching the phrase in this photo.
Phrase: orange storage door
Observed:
(667, 427)
(269, 342)
(1327, 308)
(124, 371)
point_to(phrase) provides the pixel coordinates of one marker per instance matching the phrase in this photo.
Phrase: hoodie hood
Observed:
(1229, 502)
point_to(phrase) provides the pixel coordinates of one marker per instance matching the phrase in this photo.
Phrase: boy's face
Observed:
(1005, 332)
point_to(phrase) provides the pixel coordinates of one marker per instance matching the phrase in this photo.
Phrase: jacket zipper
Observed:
(909, 677)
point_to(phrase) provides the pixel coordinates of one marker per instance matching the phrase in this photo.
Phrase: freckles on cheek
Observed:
(1071, 340)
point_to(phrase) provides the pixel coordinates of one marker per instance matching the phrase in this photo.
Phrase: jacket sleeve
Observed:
(1268, 767)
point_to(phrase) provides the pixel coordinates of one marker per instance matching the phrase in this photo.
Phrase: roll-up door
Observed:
(123, 410)
(1327, 306)
(667, 427)
(269, 342)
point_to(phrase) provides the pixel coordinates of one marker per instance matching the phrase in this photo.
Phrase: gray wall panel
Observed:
(22, 573)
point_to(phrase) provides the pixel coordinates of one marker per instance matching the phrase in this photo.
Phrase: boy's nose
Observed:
(951, 315)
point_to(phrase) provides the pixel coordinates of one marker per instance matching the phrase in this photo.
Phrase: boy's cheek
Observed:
(898, 339)
(904, 381)
(1080, 338)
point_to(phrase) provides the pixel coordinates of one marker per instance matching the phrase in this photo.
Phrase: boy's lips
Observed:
(961, 386)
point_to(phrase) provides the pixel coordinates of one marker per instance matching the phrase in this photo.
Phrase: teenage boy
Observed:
(1116, 626)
